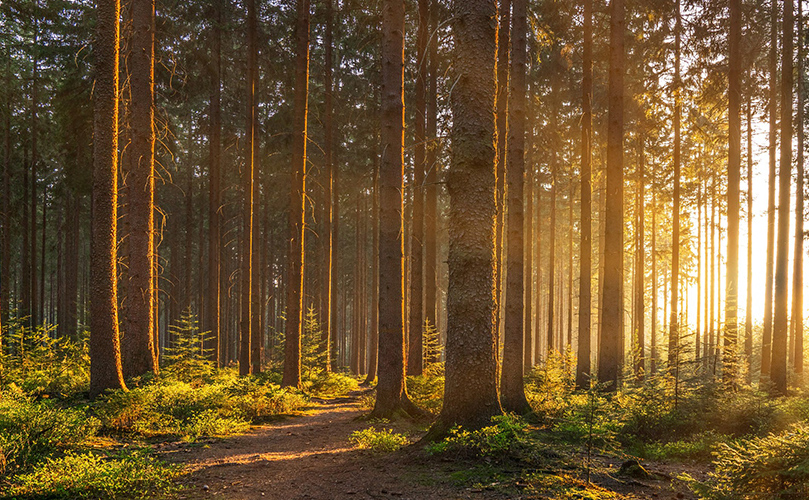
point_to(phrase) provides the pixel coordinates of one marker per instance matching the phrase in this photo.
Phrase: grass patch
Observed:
(380, 441)
(132, 474)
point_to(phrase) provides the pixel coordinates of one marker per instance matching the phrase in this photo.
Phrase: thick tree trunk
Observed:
(512, 389)
(470, 391)
(140, 356)
(730, 354)
(781, 308)
(297, 211)
(391, 392)
(105, 351)
(609, 355)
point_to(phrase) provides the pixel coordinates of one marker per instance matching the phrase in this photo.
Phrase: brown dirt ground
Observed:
(310, 457)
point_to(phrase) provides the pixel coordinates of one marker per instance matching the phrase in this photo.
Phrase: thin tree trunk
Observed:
(797, 283)
(766, 342)
(512, 389)
(609, 354)
(105, 350)
(331, 216)
(415, 356)
(653, 340)
(674, 331)
(374, 326)
(391, 389)
(640, 260)
(748, 322)
(583, 368)
(34, 310)
(501, 126)
(555, 146)
(431, 178)
(256, 333)
(214, 321)
(297, 209)
(781, 308)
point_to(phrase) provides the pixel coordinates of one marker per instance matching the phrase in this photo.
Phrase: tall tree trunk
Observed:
(415, 355)
(674, 329)
(6, 244)
(512, 389)
(470, 391)
(748, 321)
(538, 260)
(140, 355)
(609, 355)
(431, 178)
(730, 354)
(501, 126)
(583, 367)
(640, 260)
(256, 299)
(34, 310)
(653, 340)
(391, 390)
(297, 209)
(105, 350)
(248, 193)
(374, 326)
(781, 313)
(698, 331)
(797, 280)
(554, 160)
(766, 341)
(528, 286)
(331, 216)
(214, 321)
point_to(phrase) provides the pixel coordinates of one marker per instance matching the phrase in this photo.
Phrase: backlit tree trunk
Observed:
(609, 354)
(797, 280)
(216, 343)
(674, 331)
(391, 392)
(140, 355)
(105, 351)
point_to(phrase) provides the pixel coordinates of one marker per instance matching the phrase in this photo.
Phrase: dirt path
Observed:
(310, 457)
(307, 457)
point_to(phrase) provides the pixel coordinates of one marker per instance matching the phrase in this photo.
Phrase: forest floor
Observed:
(311, 457)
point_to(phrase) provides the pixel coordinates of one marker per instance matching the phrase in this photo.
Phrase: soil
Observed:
(310, 457)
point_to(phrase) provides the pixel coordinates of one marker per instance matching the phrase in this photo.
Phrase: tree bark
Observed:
(501, 126)
(391, 392)
(797, 279)
(781, 316)
(609, 355)
(256, 299)
(766, 341)
(674, 329)
(328, 160)
(730, 354)
(431, 178)
(297, 211)
(512, 388)
(140, 356)
(470, 391)
(105, 351)
(214, 321)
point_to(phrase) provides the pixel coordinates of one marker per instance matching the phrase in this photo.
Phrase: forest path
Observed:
(308, 457)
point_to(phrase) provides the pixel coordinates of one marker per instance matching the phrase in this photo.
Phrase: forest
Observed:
(419, 249)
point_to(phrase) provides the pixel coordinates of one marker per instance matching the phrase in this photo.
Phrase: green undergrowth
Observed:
(378, 440)
(96, 475)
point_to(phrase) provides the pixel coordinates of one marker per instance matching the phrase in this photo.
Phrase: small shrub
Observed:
(328, 384)
(31, 430)
(90, 475)
(508, 435)
(761, 468)
(381, 441)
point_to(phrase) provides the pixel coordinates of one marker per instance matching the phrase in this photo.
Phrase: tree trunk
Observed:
(6, 244)
(105, 350)
(501, 126)
(470, 393)
(331, 216)
(640, 260)
(653, 340)
(730, 354)
(512, 389)
(797, 279)
(140, 356)
(214, 322)
(297, 209)
(256, 299)
(748, 321)
(609, 355)
(431, 178)
(766, 341)
(374, 326)
(391, 390)
(781, 314)
(415, 354)
(674, 329)
(554, 160)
